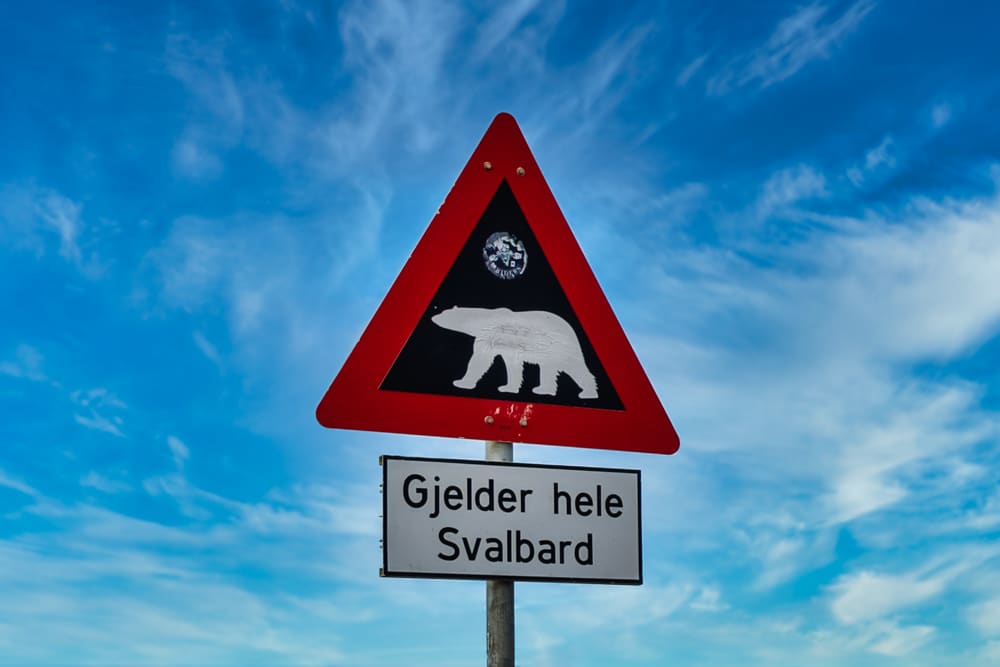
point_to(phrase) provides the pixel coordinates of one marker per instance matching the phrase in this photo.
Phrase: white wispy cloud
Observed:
(501, 26)
(232, 105)
(984, 517)
(885, 638)
(255, 268)
(789, 186)
(211, 618)
(104, 484)
(40, 219)
(866, 596)
(609, 74)
(867, 293)
(97, 422)
(207, 348)
(220, 109)
(203, 260)
(178, 450)
(62, 216)
(162, 573)
(27, 364)
(797, 40)
(623, 609)
(98, 408)
(709, 599)
(396, 52)
(920, 424)
(941, 114)
(894, 640)
(97, 397)
(195, 159)
(877, 160)
(923, 275)
(872, 604)
(985, 616)
(783, 556)
(691, 69)
(990, 653)
(809, 347)
(15, 484)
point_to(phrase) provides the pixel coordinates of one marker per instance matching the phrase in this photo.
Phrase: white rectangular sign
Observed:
(482, 520)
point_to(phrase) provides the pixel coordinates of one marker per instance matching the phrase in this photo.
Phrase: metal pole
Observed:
(499, 593)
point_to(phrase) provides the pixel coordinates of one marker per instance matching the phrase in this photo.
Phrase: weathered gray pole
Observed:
(499, 593)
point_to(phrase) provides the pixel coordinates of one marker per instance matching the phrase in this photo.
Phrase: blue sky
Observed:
(792, 207)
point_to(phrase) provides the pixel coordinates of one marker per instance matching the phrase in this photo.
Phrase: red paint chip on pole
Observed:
(496, 328)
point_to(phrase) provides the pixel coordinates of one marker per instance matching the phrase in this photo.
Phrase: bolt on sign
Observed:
(496, 328)
(467, 519)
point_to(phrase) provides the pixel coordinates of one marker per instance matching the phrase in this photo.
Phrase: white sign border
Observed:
(384, 571)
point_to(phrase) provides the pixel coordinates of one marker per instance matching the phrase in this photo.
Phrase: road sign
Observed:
(496, 328)
(474, 520)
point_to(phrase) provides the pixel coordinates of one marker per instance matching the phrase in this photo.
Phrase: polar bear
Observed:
(533, 336)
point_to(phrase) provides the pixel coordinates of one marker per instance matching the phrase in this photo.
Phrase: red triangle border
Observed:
(354, 400)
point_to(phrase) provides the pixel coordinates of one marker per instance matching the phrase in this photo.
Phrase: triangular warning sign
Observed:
(496, 328)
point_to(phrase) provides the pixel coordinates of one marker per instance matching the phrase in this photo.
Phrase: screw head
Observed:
(520, 171)
(487, 165)
(524, 421)
(488, 419)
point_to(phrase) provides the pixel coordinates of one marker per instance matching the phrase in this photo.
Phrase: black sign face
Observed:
(500, 326)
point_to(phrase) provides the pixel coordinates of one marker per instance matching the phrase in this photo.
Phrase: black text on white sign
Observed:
(469, 519)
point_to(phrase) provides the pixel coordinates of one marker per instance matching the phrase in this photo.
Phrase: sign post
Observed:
(499, 592)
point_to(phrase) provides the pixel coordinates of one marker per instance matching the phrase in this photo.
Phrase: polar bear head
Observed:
(458, 319)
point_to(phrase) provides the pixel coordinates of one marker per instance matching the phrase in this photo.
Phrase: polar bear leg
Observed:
(515, 373)
(548, 381)
(583, 377)
(589, 386)
(482, 359)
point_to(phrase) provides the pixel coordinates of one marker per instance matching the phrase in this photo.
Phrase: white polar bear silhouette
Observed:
(533, 336)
